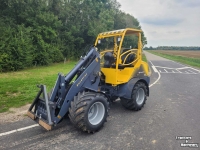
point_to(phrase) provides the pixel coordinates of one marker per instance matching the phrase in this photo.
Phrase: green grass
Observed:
(195, 62)
(144, 58)
(19, 88)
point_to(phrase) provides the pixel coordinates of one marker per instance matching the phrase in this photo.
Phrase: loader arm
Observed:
(48, 111)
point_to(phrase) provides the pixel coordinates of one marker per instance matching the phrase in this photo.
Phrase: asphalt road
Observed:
(173, 109)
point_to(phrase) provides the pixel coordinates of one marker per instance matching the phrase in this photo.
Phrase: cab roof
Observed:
(127, 31)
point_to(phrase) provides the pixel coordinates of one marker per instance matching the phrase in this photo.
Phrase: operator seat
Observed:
(109, 59)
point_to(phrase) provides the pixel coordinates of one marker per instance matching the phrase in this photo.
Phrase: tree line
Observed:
(172, 48)
(41, 32)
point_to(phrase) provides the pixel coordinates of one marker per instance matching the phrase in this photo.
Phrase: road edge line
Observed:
(17, 130)
(159, 75)
(154, 69)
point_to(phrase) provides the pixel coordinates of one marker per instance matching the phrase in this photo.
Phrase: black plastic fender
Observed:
(125, 90)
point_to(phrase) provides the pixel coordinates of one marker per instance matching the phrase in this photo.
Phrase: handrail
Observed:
(130, 63)
(127, 52)
(127, 57)
(130, 52)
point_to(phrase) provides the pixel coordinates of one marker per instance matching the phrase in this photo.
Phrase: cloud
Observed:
(176, 31)
(153, 32)
(167, 22)
(188, 3)
(161, 21)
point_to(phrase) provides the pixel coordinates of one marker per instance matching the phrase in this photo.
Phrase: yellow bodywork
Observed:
(115, 75)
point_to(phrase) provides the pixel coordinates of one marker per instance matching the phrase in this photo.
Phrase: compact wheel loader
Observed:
(108, 71)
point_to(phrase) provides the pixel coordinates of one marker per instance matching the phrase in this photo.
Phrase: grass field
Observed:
(191, 58)
(191, 54)
(19, 88)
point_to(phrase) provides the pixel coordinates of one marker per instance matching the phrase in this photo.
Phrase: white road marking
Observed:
(191, 71)
(17, 130)
(172, 68)
(182, 70)
(195, 69)
(157, 78)
(183, 65)
(154, 69)
(177, 73)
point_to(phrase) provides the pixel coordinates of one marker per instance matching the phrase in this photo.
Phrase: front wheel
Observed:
(88, 111)
(138, 98)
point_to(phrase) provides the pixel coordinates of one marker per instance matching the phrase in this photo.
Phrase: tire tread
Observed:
(78, 109)
(131, 103)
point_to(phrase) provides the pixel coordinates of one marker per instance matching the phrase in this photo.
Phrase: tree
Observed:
(45, 31)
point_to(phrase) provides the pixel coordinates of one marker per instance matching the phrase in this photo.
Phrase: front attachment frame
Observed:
(39, 110)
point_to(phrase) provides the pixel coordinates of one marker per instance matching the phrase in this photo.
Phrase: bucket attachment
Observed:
(39, 110)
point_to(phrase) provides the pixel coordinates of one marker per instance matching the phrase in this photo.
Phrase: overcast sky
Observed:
(167, 22)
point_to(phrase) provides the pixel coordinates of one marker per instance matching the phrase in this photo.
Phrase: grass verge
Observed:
(19, 88)
(144, 58)
(195, 62)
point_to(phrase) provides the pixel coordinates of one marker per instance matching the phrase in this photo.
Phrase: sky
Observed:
(167, 22)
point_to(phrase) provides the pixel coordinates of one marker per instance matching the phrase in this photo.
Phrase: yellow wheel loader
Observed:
(112, 69)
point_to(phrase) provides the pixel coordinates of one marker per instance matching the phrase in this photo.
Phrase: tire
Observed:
(88, 111)
(138, 97)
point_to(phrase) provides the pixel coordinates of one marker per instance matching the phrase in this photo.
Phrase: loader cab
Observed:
(120, 53)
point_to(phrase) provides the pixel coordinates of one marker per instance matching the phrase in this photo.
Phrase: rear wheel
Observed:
(138, 98)
(88, 111)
